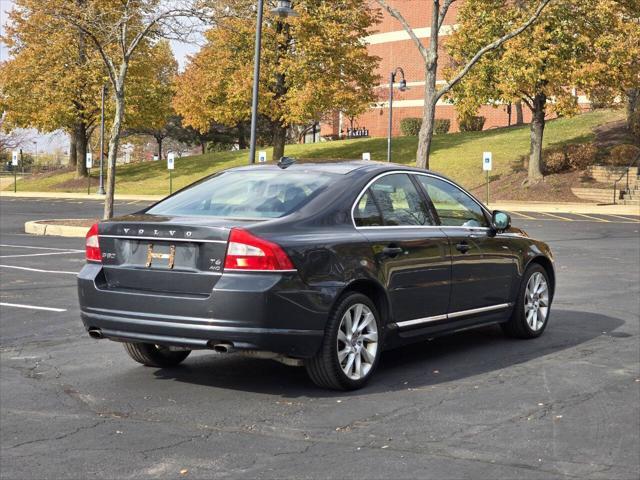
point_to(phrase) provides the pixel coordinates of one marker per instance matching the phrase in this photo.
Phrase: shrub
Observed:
(442, 126)
(472, 124)
(568, 157)
(623, 155)
(410, 127)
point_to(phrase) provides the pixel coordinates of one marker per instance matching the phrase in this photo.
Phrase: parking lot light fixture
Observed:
(283, 9)
(402, 87)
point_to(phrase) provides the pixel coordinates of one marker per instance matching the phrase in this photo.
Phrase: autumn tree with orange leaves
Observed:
(312, 65)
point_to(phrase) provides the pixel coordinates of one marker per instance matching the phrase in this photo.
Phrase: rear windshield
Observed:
(246, 195)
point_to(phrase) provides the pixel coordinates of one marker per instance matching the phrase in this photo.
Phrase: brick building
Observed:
(392, 44)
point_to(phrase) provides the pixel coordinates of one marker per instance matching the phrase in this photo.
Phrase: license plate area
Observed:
(158, 255)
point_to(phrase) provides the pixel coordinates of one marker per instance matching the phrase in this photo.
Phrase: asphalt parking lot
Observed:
(472, 405)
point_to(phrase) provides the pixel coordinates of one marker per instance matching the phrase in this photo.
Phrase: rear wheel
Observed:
(152, 355)
(351, 347)
(531, 313)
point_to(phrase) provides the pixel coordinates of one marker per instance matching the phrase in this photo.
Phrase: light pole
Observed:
(283, 10)
(101, 176)
(402, 88)
(35, 160)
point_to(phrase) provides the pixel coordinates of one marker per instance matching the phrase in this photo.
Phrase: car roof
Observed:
(339, 167)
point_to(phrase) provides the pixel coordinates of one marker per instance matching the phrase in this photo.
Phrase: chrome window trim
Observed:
(462, 313)
(165, 239)
(410, 172)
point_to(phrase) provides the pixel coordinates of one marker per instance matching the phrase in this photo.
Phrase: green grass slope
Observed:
(457, 155)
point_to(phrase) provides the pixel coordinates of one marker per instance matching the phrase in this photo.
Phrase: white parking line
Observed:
(42, 248)
(33, 307)
(42, 254)
(37, 270)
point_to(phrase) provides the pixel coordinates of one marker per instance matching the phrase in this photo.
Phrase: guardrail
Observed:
(635, 163)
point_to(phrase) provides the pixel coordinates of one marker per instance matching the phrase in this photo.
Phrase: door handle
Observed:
(463, 247)
(392, 251)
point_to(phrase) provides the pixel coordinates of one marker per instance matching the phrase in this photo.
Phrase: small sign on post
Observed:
(262, 156)
(487, 166)
(89, 165)
(171, 158)
(14, 167)
(156, 158)
(366, 156)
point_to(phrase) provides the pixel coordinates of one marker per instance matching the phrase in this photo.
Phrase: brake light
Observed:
(248, 252)
(92, 247)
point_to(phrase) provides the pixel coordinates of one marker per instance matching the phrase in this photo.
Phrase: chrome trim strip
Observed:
(240, 270)
(418, 321)
(411, 172)
(462, 313)
(165, 239)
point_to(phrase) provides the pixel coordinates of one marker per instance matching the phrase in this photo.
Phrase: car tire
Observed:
(530, 315)
(347, 362)
(152, 355)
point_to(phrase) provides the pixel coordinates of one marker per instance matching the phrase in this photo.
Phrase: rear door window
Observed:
(399, 201)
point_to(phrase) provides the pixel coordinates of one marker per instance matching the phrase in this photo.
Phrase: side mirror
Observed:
(500, 221)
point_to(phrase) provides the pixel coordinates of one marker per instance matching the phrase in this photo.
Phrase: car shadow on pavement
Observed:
(451, 358)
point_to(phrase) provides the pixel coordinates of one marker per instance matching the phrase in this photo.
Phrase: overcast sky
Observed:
(51, 142)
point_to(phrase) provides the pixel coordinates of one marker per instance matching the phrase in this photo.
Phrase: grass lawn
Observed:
(457, 155)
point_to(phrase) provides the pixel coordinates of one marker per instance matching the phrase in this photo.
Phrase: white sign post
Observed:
(171, 158)
(262, 156)
(487, 166)
(156, 158)
(14, 167)
(89, 163)
(366, 156)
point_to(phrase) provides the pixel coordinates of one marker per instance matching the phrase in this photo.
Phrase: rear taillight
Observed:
(92, 247)
(248, 252)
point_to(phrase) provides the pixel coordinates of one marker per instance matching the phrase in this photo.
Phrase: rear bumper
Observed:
(270, 312)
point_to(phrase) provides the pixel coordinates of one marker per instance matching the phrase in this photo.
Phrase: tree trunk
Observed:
(519, 114)
(203, 147)
(159, 140)
(633, 109)
(428, 118)
(81, 150)
(73, 154)
(242, 136)
(114, 141)
(279, 140)
(537, 132)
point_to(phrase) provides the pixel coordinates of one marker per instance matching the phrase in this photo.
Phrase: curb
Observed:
(39, 227)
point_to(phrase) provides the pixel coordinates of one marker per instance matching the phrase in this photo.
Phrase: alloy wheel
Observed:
(357, 341)
(536, 301)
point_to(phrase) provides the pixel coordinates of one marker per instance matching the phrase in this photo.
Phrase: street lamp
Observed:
(282, 10)
(35, 144)
(101, 181)
(402, 87)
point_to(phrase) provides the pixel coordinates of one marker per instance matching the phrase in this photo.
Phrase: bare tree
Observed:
(13, 139)
(429, 54)
(116, 29)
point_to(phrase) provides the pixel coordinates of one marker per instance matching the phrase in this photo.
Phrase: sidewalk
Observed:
(508, 206)
(563, 207)
(80, 196)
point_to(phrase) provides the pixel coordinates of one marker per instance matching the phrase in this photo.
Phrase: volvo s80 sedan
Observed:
(324, 265)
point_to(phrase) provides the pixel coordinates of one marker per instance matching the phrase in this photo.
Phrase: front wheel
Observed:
(351, 346)
(531, 312)
(152, 355)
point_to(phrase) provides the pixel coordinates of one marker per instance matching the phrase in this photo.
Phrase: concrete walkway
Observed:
(509, 206)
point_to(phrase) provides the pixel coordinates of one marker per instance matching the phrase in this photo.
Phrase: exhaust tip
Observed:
(220, 347)
(95, 333)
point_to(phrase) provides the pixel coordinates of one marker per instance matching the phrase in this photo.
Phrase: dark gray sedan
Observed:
(322, 265)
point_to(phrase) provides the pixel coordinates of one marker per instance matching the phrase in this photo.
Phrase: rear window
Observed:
(246, 195)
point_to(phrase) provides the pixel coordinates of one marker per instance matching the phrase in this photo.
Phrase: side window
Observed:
(455, 208)
(366, 213)
(399, 201)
